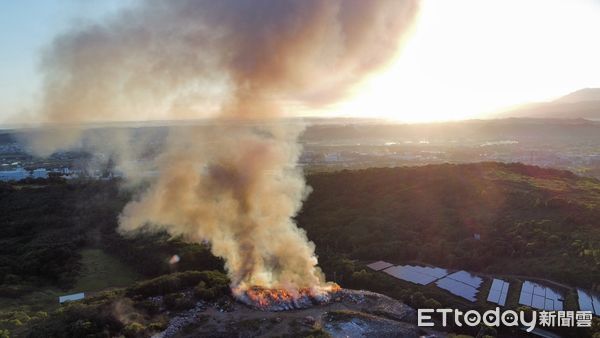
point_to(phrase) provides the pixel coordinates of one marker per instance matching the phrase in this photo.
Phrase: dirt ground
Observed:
(351, 313)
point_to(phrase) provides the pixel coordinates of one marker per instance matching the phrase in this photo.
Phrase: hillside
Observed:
(531, 221)
(59, 237)
(170, 306)
(584, 103)
(585, 94)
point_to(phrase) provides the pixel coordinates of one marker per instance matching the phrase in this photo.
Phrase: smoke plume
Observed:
(238, 61)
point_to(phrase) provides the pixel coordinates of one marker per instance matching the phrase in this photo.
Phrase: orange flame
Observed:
(264, 298)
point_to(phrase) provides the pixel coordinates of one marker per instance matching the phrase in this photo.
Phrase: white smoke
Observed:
(235, 184)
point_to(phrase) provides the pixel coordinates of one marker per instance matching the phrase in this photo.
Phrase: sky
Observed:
(26, 28)
(465, 58)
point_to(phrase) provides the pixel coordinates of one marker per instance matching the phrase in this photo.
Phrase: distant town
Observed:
(331, 144)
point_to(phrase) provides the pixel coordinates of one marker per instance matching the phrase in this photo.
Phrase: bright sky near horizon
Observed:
(465, 59)
(469, 58)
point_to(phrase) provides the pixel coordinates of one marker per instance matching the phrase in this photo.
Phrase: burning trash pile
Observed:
(281, 300)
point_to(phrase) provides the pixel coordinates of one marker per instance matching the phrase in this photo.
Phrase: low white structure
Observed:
(70, 298)
(14, 175)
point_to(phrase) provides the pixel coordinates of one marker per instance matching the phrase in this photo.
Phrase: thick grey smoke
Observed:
(236, 186)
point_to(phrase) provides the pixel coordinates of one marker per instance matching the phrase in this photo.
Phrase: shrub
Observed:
(204, 292)
(432, 304)
(178, 301)
(317, 333)
(157, 326)
(79, 320)
(150, 306)
(176, 282)
(134, 330)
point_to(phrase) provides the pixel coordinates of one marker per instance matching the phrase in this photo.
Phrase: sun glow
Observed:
(472, 58)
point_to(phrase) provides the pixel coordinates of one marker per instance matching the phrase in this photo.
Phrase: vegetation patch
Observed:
(100, 271)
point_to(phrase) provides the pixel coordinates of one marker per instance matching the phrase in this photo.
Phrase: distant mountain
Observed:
(584, 103)
(582, 95)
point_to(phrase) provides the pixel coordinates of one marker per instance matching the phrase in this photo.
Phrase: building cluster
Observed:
(21, 173)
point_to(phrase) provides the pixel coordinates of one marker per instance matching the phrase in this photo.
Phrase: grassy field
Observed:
(100, 271)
